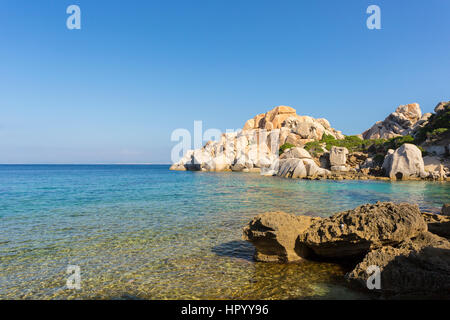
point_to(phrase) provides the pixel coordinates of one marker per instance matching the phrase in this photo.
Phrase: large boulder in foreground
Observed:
(417, 267)
(367, 227)
(404, 163)
(274, 235)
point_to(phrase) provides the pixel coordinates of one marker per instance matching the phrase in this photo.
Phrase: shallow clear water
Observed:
(147, 232)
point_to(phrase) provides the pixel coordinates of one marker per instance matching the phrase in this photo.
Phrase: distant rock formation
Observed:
(256, 147)
(303, 129)
(403, 121)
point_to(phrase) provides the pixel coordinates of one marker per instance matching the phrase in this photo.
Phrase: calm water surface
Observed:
(149, 233)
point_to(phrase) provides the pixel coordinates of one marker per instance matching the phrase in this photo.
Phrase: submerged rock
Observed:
(355, 232)
(274, 235)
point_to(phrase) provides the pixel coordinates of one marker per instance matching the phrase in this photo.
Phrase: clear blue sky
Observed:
(114, 91)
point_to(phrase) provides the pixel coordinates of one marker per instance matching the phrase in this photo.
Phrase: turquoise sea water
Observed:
(142, 231)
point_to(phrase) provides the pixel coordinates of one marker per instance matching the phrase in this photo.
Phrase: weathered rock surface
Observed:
(438, 224)
(300, 168)
(274, 235)
(296, 152)
(256, 147)
(338, 156)
(367, 227)
(399, 123)
(446, 209)
(420, 266)
(404, 163)
(304, 127)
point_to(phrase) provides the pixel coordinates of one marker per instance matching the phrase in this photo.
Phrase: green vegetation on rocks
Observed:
(284, 147)
(356, 144)
(437, 127)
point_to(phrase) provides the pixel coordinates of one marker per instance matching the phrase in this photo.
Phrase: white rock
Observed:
(404, 163)
(338, 156)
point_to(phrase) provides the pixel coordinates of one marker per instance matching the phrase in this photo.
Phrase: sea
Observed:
(145, 232)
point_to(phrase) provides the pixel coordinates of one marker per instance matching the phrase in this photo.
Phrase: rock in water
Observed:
(274, 235)
(420, 266)
(404, 163)
(370, 226)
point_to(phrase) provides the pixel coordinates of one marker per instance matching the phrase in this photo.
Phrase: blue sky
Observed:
(114, 91)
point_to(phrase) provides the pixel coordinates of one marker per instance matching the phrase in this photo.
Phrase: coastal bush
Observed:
(352, 143)
(396, 142)
(438, 126)
(284, 147)
(378, 159)
(356, 144)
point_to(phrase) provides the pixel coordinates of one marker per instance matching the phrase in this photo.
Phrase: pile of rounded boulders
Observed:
(397, 238)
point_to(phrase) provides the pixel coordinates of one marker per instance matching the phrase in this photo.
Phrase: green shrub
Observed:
(284, 147)
(437, 132)
(436, 126)
(378, 159)
(396, 142)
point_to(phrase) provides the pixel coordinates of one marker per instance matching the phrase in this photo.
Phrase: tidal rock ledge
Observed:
(409, 247)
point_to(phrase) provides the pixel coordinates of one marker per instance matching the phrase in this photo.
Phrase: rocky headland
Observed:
(410, 248)
(405, 146)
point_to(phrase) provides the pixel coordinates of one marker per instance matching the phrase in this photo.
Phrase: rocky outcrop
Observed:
(399, 123)
(408, 247)
(274, 235)
(301, 128)
(256, 147)
(404, 163)
(419, 266)
(355, 232)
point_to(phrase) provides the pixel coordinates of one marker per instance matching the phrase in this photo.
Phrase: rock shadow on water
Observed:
(239, 249)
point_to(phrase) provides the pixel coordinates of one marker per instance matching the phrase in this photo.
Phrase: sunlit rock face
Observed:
(255, 148)
(402, 121)
(404, 163)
